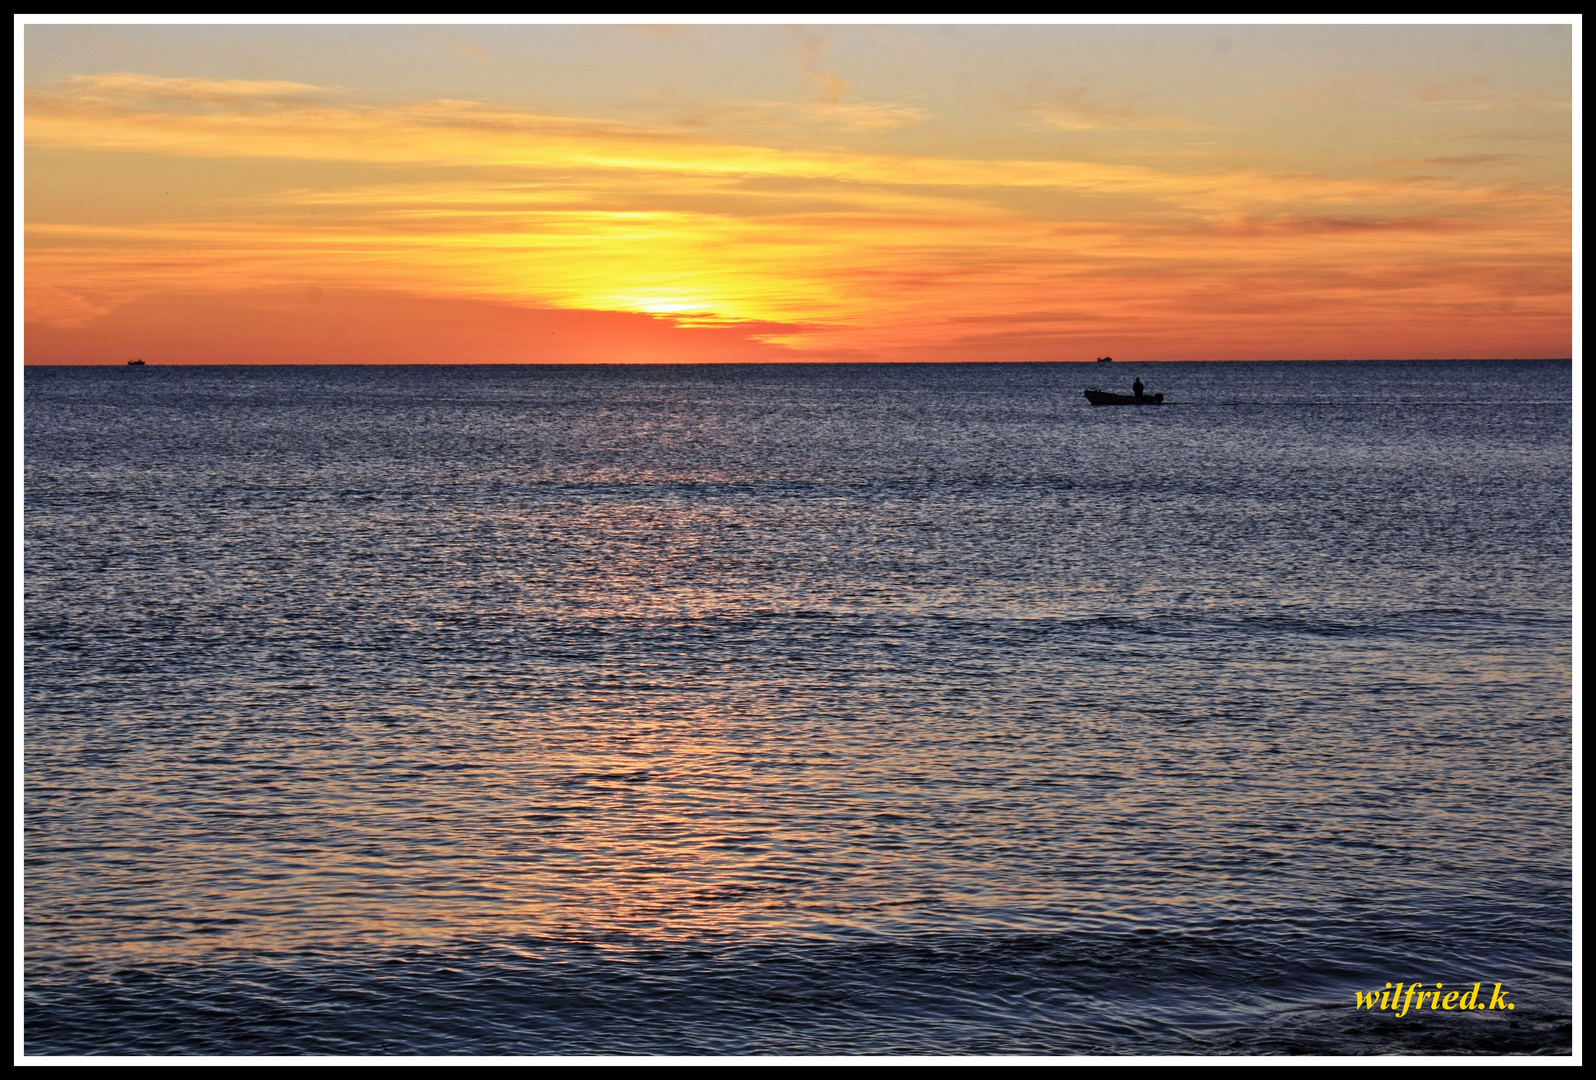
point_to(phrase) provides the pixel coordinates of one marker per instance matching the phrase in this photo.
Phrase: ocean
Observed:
(810, 709)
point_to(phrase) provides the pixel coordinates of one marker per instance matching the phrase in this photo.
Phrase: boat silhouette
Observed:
(1104, 397)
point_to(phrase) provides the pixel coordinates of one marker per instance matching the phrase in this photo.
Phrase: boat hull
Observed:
(1103, 397)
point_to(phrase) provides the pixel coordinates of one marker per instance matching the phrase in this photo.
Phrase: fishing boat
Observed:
(135, 363)
(1103, 397)
(1105, 359)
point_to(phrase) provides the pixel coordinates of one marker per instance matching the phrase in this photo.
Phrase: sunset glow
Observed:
(586, 194)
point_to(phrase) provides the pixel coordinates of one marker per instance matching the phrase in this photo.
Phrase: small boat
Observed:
(1105, 359)
(135, 363)
(1103, 397)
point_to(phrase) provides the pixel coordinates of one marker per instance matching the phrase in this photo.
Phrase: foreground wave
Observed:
(1238, 990)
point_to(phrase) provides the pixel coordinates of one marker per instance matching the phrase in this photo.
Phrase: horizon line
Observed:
(814, 363)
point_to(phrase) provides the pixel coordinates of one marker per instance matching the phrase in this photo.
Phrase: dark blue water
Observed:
(831, 709)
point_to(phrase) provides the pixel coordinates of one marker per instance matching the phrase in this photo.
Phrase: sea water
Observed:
(797, 709)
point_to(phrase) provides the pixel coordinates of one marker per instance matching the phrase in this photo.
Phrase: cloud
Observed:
(1477, 93)
(128, 87)
(811, 47)
(1330, 226)
(1470, 92)
(1463, 160)
(859, 116)
(1078, 109)
(466, 134)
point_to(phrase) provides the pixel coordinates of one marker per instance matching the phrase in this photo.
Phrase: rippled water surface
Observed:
(836, 709)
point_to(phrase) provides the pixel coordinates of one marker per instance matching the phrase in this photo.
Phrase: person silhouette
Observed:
(1137, 388)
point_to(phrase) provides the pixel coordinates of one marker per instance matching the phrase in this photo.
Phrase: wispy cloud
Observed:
(466, 134)
(811, 47)
(855, 116)
(1078, 108)
(129, 87)
(1461, 160)
(1477, 93)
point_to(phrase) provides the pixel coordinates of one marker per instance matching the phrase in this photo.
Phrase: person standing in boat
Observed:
(1137, 387)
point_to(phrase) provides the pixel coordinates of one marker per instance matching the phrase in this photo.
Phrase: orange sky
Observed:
(295, 194)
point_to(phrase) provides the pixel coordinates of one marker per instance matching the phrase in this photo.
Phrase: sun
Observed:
(686, 308)
(666, 305)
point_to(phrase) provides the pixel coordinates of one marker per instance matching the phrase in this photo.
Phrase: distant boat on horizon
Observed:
(135, 363)
(1105, 359)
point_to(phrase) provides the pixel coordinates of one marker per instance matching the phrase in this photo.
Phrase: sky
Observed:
(584, 194)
